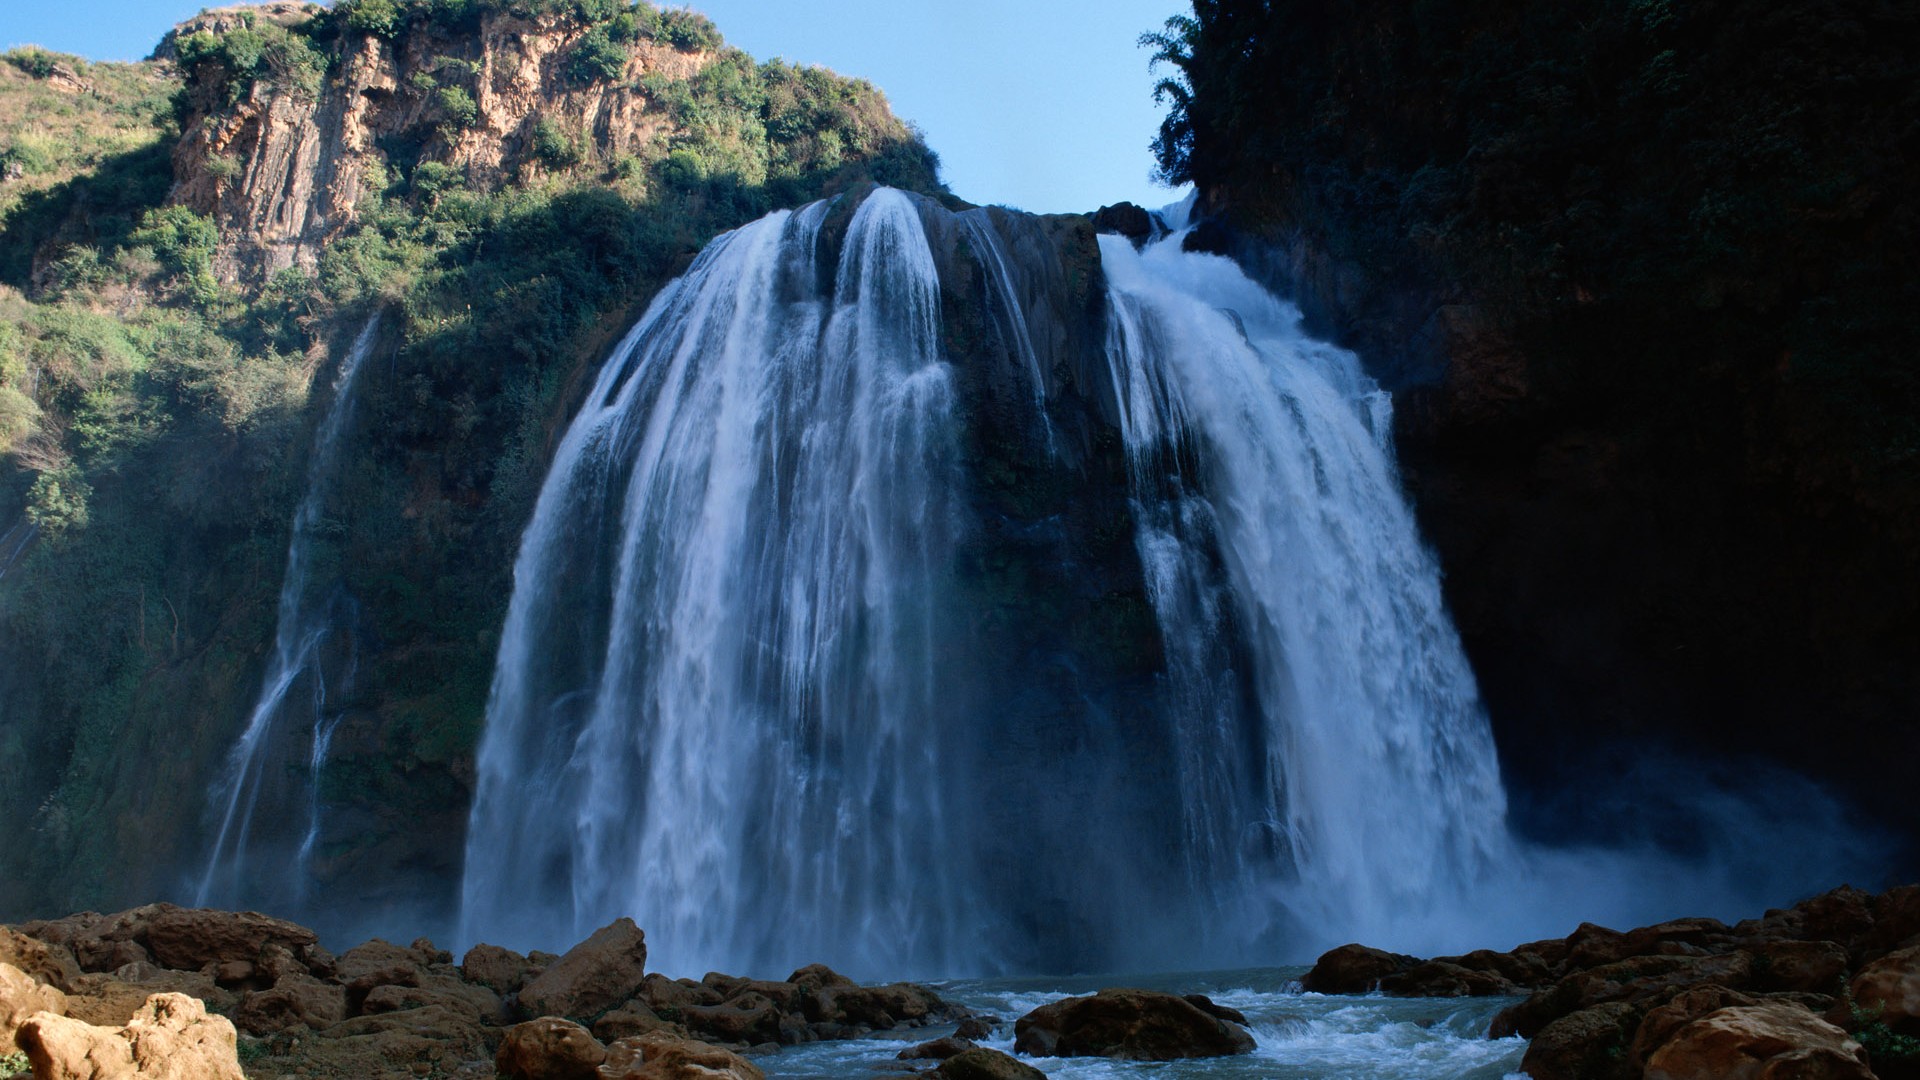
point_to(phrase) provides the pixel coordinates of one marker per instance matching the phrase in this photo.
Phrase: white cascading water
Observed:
(1270, 520)
(14, 543)
(302, 628)
(719, 703)
(731, 699)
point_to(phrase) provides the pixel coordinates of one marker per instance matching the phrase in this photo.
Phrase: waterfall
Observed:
(14, 543)
(1352, 776)
(243, 868)
(721, 691)
(814, 646)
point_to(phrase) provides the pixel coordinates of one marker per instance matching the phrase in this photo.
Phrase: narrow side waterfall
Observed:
(1341, 764)
(290, 720)
(14, 543)
(724, 683)
(912, 596)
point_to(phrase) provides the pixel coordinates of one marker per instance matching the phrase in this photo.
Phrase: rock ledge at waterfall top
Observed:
(1828, 988)
(223, 985)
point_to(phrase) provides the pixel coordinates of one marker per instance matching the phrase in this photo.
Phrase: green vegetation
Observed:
(1887, 1049)
(15, 1064)
(158, 394)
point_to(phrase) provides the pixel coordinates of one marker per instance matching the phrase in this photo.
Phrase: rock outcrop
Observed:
(1138, 1025)
(1774, 996)
(381, 1009)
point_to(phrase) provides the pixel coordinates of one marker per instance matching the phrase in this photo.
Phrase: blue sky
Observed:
(1040, 104)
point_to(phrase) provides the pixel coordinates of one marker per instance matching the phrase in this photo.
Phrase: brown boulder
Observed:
(1684, 1008)
(51, 964)
(594, 976)
(1141, 1025)
(1353, 969)
(1888, 990)
(936, 1050)
(668, 996)
(1645, 980)
(1767, 1041)
(977, 1027)
(659, 1057)
(389, 1044)
(981, 1063)
(112, 1000)
(634, 1019)
(22, 995)
(190, 939)
(815, 976)
(1808, 967)
(1441, 978)
(295, 1002)
(748, 1018)
(1589, 1044)
(549, 1049)
(501, 970)
(172, 1038)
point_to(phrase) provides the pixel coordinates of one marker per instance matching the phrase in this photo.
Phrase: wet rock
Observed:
(977, 1027)
(668, 996)
(1353, 969)
(21, 996)
(1140, 1025)
(549, 1049)
(1767, 1041)
(171, 1038)
(1646, 980)
(1209, 237)
(748, 1018)
(1589, 1044)
(1130, 221)
(937, 1049)
(1441, 978)
(1212, 1008)
(658, 1057)
(1684, 1008)
(593, 976)
(981, 1063)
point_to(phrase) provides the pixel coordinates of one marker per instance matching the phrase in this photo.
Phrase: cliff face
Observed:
(1643, 276)
(507, 182)
(285, 169)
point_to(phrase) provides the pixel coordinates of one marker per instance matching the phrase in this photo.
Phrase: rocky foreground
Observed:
(162, 991)
(1828, 989)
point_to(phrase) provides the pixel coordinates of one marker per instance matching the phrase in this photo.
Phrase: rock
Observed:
(977, 1027)
(1141, 1025)
(387, 1044)
(1207, 1005)
(111, 1000)
(1589, 1044)
(657, 1057)
(748, 1018)
(501, 970)
(633, 1019)
(668, 996)
(296, 1001)
(51, 964)
(549, 1049)
(876, 1007)
(1767, 1041)
(1659, 1025)
(22, 995)
(816, 976)
(1644, 979)
(1810, 967)
(594, 976)
(1353, 969)
(937, 1050)
(171, 1038)
(1130, 221)
(1441, 978)
(1210, 236)
(192, 938)
(1889, 990)
(981, 1063)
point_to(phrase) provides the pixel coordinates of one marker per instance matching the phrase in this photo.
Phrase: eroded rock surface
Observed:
(1141, 1025)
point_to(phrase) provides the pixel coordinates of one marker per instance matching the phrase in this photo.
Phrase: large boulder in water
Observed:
(1354, 969)
(594, 976)
(1141, 1025)
(981, 1063)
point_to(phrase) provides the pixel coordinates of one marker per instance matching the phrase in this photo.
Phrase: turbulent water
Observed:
(290, 720)
(1297, 1036)
(732, 698)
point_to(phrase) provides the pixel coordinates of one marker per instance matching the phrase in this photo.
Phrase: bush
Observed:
(381, 18)
(686, 30)
(34, 61)
(597, 57)
(458, 108)
(57, 502)
(553, 145)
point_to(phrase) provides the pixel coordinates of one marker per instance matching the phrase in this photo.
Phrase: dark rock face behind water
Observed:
(1648, 298)
(383, 1010)
(1817, 989)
